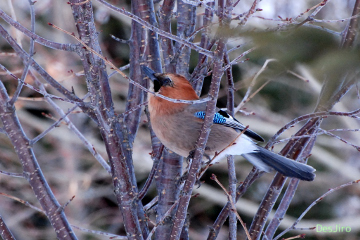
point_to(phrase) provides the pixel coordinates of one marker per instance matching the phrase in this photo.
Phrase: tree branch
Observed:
(31, 168)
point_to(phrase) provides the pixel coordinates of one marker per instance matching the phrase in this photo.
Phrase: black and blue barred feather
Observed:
(218, 118)
(223, 118)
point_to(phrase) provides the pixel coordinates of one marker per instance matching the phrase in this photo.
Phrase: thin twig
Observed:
(151, 176)
(252, 84)
(18, 175)
(31, 53)
(55, 124)
(213, 177)
(321, 132)
(151, 204)
(251, 11)
(26, 203)
(123, 68)
(236, 60)
(122, 115)
(309, 116)
(108, 235)
(160, 222)
(340, 138)
(62, 207)
(82, 138)
(335, 20)
(317, 8)
(241, 189)
(298, 76)
(311, 8)
(45, 94)
(119, 39)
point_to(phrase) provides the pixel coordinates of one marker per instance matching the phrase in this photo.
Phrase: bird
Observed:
(178, 126)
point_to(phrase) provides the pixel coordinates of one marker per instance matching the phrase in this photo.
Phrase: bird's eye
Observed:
(162, 81)
(167, 82)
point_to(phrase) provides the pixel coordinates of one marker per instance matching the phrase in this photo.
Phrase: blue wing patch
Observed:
(200, 115)
(218, 118)
(225, 119)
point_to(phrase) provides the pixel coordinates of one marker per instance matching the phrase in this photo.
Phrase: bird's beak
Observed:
(150, 73)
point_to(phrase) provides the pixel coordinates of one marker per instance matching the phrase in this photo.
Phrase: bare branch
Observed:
(241, 189)
(45, 94)
(18, 175)
(350, 32)
(5, 232)
(251, 11)
(161, 221)
(246, 98)
(31, 169)
(309, 116)
(152, 174)
(101, 233)
(230, 159)
(233, 207)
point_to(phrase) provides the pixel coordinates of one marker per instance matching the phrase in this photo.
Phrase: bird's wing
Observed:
(223, 118)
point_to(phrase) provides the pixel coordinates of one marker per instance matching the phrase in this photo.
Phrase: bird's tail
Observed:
(266, 160)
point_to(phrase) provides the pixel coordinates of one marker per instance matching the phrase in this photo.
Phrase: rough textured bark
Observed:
(186, 18)
(114, 134)
(167, 48)
(5, 232)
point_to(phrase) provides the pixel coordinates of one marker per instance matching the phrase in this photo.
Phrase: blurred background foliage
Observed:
(306, 56)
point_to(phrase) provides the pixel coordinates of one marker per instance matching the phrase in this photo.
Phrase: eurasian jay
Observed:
(178, 125)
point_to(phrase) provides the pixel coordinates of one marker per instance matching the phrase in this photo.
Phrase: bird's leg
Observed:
(188, 161)
(182, 178)
(208, 158)
(190, 158)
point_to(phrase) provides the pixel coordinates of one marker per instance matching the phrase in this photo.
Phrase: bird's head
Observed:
(171, 85)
